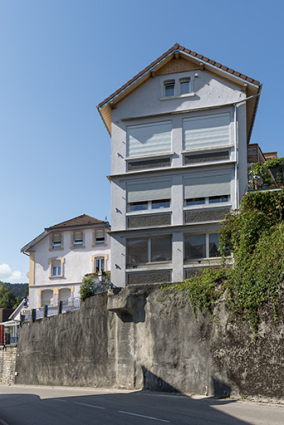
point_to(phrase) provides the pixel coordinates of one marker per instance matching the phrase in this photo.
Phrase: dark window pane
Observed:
(195, 247)
(218, 199)
(137, 251)
(184, 87)
(163, 203)
(161, 249)
(138, 206)
(169, 89)
(194, 201)
(214, 245)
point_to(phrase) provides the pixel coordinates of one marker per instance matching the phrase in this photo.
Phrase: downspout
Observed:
(236, 158)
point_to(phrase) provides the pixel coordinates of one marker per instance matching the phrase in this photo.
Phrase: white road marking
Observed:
(3, 422)
(90, 405)
(142, 416)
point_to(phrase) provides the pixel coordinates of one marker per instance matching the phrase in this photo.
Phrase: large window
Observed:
(145, 195)
(206, 132)
(149, 139)
(202, 189)
(201, 246)
(149, 250)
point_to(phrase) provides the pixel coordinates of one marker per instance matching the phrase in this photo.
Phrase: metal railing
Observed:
(39, 313)
(70, 304)
(51, 310)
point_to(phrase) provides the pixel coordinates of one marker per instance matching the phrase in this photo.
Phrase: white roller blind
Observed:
(148, 191)
(78, 236)
(46, 297)
(203, 186)
(149, 139)
(209, 131)
(100, 234)
(57, 237)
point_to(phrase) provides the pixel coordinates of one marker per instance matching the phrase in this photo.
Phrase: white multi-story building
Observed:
(62, 255)
(179, 132)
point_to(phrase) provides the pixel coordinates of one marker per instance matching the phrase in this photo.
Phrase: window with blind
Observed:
(46, 297)
(149, 139)
(149, 195)
(57, 242)
(100, 237)
(206, 132)
(78, 239)
(207, 189)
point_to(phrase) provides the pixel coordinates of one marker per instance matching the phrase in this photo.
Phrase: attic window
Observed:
(184, 86)
(169, 87)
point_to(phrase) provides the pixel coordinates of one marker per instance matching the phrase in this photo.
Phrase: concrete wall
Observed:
(132, 340)
(7, 365)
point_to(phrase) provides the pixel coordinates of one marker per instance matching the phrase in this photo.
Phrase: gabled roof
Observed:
(80, 221)
(251, 85)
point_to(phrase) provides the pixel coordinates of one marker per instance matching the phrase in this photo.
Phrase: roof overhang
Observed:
(249, 85)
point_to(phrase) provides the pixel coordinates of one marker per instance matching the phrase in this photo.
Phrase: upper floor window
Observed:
(206, 132)
(184, 86)
(169, 88)
(78, 239)
(200, 189)
(149, 195)
(56, 241)
(100, 237)
(149, 139)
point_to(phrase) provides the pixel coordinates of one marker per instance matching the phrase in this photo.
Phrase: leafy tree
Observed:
(8, 300)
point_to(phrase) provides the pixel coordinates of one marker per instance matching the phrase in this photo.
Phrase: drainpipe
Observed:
(236, 158)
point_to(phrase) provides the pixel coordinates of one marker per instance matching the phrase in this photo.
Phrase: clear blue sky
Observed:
(60, 58)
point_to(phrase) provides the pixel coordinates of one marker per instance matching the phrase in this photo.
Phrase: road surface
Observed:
(32, 405)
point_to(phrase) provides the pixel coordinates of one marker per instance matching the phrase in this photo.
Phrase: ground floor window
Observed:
(199, 246)
(149, 250)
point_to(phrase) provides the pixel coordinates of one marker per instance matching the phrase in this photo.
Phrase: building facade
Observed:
(62, 255)
(179, 133)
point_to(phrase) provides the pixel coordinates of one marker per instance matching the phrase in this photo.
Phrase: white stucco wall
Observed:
(76, 263)
(211, 95)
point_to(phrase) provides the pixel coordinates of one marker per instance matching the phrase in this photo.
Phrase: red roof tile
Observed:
(163, 56)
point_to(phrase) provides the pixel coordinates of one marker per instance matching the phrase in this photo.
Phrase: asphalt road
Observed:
(31, 405)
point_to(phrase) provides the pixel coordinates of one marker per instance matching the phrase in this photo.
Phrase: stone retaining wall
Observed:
(7, 364)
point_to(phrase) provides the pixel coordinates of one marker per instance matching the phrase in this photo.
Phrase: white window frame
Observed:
(184, 80)
(73, 244)
(55, 248)
(171, 82)
(52, 262)
(207, 247)
(207, 204)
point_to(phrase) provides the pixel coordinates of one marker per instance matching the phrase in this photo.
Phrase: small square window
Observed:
(184, 86)
(169, 88)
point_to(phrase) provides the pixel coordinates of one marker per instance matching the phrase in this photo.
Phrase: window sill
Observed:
(181, 96)
(56, 249)
(201, 262)
(151, 266)
(156, 155)
(207, 206)
(56, 277)
(77, 247)
(148, 212)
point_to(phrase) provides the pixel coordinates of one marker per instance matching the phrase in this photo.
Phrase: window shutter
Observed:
(78, 236)
(57, 237)
(100, 234)
(64, 294)
(148, 191)
(46, 297)
(203, 186)
(149, 139)
(209, 131)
